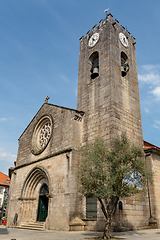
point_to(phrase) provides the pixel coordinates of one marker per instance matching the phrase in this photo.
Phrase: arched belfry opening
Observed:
(35, 195)
(124, 64)
(94, 65)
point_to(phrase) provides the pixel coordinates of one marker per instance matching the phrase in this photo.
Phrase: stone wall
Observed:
(154, 190)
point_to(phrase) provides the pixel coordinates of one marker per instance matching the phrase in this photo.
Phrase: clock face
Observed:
(123, 39)
(93, 39)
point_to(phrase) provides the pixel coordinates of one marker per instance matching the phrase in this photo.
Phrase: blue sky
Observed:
(39, 50)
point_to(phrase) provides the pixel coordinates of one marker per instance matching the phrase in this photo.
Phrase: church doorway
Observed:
(43, 204)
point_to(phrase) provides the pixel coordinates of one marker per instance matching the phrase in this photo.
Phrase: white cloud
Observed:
(150, 78)
(157, 124)
(3, 119)
(150, 67)
(64, 78)
(6, 156)
(156, 93)
(146, 110)
(150, 74)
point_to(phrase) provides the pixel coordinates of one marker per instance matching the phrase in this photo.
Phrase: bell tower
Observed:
(108, 89)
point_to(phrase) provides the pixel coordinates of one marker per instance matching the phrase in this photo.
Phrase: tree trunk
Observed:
(108, 209)
(106, 233)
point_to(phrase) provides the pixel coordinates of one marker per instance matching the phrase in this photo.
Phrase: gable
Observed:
(64, 131)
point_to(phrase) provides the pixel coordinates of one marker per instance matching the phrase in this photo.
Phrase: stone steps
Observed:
(40, 226)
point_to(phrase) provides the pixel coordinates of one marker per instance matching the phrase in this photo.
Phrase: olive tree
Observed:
(111, 173)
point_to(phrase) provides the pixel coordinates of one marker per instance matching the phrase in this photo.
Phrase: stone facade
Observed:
(56, 166)
(108, 104)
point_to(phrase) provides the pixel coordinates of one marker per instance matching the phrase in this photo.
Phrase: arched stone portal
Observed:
(34, 196)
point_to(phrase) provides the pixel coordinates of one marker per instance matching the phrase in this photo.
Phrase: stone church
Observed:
(43, 189)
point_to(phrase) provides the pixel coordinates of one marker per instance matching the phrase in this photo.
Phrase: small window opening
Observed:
(120, 205)
(94, 63)
(124, 64)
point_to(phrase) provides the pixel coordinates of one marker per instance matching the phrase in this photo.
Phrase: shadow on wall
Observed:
(120, 221)
(121, 224)
(132, 215)
(3, 230)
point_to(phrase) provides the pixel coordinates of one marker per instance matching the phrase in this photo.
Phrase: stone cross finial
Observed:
(47, 98)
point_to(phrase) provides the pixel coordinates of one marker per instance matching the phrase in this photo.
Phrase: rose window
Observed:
(41, 135)
(44, 134)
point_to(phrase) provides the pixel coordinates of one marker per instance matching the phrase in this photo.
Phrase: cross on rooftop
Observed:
(47, 98)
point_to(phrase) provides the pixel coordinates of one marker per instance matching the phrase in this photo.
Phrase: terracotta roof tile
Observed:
(4, 179)
(148, 145)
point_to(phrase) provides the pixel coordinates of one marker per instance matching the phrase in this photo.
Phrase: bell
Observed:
(124, 69)
(95, 73)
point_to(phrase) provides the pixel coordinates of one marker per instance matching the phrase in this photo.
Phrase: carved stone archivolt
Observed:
(42, 134)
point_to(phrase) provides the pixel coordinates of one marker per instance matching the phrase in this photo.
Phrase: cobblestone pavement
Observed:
(22, 234)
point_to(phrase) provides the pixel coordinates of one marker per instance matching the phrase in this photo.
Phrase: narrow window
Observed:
(120, 205)
(94, 65)
(91, 207)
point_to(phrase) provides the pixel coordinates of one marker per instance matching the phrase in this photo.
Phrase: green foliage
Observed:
(115, 172)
